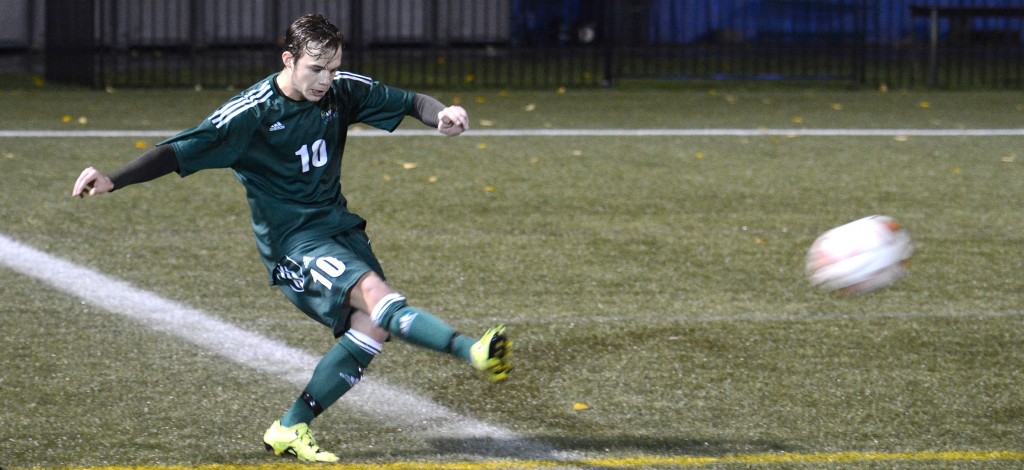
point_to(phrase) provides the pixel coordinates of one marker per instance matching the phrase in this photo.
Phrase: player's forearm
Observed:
(149, 166)
(426, 108)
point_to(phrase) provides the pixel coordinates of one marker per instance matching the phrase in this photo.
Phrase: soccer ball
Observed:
(859, 257)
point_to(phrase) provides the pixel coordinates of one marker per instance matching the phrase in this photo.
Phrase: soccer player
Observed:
(284, 138)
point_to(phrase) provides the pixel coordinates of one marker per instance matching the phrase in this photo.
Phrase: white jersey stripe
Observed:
(239, 101)
(224, 114)
(354, 77)
(254, 97)
(241, 104)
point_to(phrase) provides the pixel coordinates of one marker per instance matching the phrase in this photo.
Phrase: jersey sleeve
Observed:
(376, 104)
(215, 142)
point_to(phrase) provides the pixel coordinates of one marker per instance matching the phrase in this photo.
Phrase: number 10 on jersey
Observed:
(317, 156)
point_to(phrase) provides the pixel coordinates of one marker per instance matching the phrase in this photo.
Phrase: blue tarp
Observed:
(696, 21)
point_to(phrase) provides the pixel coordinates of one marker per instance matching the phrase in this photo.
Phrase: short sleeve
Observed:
(213, 143)
(376, 104)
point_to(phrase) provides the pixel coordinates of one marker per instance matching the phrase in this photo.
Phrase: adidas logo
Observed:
(352, 380)
(277, 126)
(405, 323)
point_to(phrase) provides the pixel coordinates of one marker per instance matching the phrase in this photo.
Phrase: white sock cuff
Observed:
(365, 342)
(386, 303)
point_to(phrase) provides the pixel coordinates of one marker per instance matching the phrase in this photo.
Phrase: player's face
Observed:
(312, 75)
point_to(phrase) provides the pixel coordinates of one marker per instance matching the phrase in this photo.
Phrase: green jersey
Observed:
(288, 154)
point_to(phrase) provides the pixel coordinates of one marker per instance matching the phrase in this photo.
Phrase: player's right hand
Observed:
(453, 121)
(92, 182)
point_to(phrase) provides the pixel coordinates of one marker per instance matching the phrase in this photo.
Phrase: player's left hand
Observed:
(452, 121)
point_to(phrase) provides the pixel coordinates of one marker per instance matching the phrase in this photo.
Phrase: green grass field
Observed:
(658, 280)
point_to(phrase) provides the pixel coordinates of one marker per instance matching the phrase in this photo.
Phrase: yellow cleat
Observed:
(491, 354)
(296, 440)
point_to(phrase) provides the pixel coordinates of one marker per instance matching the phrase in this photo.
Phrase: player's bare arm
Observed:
(149, 166)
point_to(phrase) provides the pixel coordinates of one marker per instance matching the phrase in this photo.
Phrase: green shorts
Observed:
(317, 276)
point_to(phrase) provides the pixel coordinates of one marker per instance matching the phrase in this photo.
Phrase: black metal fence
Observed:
(536, 43)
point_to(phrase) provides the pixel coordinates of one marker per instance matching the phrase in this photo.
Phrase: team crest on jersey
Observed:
(328, 107)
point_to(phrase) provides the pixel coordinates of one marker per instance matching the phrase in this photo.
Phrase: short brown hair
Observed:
(313, 35)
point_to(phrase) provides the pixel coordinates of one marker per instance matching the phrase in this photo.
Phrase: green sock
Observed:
(339, 370)
(460, 346)
(420, 328)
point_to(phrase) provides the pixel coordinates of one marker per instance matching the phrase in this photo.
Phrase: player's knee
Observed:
(362, 323)
(367, 292)
(384, 310)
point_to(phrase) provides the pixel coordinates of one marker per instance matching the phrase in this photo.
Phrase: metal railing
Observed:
(534, 43)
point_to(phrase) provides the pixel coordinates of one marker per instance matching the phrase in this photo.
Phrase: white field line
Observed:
(577, 133)
(373, 398)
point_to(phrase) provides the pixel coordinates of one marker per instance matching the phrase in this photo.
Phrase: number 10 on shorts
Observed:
(325, 269)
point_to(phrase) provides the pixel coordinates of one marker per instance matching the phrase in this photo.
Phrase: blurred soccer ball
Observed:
(859, 257)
